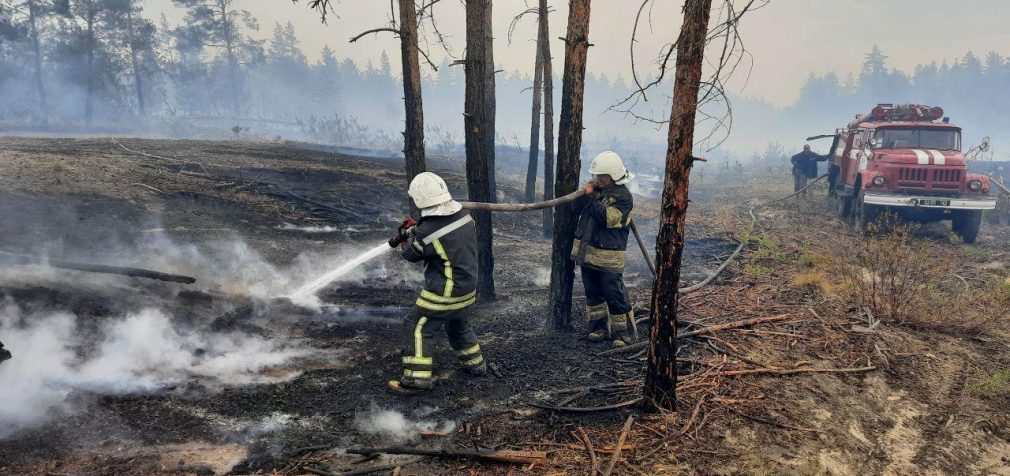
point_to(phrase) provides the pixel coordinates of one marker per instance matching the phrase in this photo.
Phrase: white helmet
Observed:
(428, 190)
(609, 163)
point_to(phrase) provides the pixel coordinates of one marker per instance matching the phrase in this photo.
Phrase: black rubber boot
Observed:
(476, 370)
(406, 387)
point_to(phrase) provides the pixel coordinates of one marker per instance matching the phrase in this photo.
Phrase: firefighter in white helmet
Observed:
(601, 238)
(445, 239)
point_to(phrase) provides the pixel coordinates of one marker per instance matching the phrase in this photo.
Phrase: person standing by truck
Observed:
(805, 167)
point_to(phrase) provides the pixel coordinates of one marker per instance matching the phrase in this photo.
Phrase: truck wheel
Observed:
(864, 216)
(966, 224)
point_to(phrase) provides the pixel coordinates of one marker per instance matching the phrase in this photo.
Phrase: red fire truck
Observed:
(906, 160)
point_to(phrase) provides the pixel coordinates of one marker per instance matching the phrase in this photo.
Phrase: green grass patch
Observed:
(997, 384)
(756, 270)
(976, 253)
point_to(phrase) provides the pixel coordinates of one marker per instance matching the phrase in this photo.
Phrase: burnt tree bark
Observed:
(478, 120)
(538, 83)
(413, 135)
(544, 40)
(661, 373)
(569, 164)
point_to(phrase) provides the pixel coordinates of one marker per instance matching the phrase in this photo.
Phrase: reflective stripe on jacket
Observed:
(448, 247)
(603, 227)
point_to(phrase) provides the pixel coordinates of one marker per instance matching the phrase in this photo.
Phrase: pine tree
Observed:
(219, 23)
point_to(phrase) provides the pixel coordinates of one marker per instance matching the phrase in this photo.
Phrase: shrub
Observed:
(891, 273)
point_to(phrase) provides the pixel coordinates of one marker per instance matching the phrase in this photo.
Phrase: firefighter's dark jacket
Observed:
(448, 247)
(601, 236)
(806, 163)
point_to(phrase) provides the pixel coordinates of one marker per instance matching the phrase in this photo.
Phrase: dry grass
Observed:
(890, 274)
(815, 281)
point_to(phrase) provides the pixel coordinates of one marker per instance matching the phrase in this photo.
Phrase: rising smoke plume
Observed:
(393, 427)
(138, 353)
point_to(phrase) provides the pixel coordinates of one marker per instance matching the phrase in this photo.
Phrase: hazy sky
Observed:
(788, 39)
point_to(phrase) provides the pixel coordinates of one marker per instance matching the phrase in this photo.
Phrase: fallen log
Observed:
(363, 471)
(620, 443)
(604, 408)
(500, 456)
(15, 259)
(703, 330)
(589, 447)
(731, 373)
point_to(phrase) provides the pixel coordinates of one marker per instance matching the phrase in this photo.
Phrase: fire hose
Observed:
(571, 197)
(1001, 186)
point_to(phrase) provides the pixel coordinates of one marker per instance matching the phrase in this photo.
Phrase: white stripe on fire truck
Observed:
(921, 156)
(938, 157)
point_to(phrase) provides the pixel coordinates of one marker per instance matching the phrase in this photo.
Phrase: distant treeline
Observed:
(102, 63)
(80, 64)
(973, 92)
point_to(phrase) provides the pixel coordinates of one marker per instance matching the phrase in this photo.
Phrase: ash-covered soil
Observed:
(248, 220)
(219, 377)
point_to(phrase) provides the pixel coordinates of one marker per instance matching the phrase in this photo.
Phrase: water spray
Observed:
(305, 295)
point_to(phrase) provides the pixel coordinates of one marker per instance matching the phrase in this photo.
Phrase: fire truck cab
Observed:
(906, 160)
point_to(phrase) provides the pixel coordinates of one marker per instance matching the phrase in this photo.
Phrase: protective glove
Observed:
(404, 232)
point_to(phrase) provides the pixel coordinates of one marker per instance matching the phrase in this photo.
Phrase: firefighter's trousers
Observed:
(419, 332)
(799, 181)
(606, 300)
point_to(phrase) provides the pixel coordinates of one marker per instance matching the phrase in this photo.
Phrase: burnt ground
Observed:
(94, 201)
(917, 411)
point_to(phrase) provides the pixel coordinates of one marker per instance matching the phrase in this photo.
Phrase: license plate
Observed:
(931, 202)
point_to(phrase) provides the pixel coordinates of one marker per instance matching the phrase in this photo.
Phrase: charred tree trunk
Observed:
(569, 164)
(661, 373)
(478, 119)
(544, 40)
(40, 87)
(413, 135)
(134, 62)
(538, 83)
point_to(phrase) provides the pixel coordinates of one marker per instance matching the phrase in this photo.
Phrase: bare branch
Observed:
(732, 52)
(427, 6)
(375, 30)
(516, 19)
(323, 6)
(631, 47)
(427, 58)
(430, 16)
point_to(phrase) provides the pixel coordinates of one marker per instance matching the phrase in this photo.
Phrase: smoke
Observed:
(138, 353)
(228, 266)
(309, 229)
(542, 277)
(394, 427)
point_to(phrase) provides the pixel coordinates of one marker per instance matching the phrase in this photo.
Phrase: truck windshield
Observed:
(941, 139)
